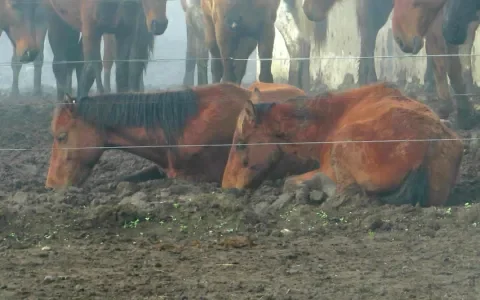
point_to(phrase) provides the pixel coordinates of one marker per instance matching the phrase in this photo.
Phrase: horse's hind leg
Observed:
(265, 52)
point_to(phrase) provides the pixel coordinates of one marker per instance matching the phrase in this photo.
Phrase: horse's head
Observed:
(77, 147)
(19, 18)
(156, 15)
(254, 151)
(456, 19)
(411, 20)
(317, 10)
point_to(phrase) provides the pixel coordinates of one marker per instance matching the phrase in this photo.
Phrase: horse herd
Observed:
(374, 138)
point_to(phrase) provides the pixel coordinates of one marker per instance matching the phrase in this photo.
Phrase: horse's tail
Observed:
(432, 182)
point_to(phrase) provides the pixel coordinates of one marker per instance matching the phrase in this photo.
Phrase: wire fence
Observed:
(330, 57)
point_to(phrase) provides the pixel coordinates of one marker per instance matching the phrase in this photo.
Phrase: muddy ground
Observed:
(169, 239)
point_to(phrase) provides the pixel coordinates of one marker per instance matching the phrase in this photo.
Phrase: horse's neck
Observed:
(136, 140)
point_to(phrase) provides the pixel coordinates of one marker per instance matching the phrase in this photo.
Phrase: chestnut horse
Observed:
(402, 169)
(372, 15)
(233, 28)
(413, 20)
(458, 15)
(168, 121)
(197, 51)
(134, 25)
(25, 23)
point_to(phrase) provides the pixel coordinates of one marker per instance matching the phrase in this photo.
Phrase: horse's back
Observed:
(276, 92)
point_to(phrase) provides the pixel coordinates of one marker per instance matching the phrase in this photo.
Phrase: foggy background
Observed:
(171, 45)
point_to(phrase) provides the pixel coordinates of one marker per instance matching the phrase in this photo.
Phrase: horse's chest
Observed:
(111, 16)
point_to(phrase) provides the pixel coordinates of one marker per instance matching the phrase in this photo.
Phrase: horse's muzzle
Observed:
(29, 55)
(157, 27)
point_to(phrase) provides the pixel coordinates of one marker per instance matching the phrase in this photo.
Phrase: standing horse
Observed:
(233, 28)
(25, 24)
(397, 172)
(199, 116)
(372, 15)
(413, 20)
(134, 25)
(458, 15)
(197, 51)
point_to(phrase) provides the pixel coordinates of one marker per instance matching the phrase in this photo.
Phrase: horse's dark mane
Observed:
(168, 110)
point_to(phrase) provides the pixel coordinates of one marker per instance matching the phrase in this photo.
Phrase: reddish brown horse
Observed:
(233, 28)
(25, 24)
(134, 24)
(401, 171)
(371, 17)
(412, 21)
(200, 116)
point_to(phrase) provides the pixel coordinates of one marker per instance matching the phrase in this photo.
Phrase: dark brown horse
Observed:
(25, 23)
(233, 28)
(371, 17)
(412, 21)
(400, 170)
(134, 24)
(199, 117)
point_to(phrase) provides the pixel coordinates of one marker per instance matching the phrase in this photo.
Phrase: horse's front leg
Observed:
(122, 66)
(16, 68)
(265, 52)
(436, 46)
(212, 45)
(465, 111)
(190, 57)
(92, 70)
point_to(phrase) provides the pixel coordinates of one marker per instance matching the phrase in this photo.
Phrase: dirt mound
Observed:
(171, 239)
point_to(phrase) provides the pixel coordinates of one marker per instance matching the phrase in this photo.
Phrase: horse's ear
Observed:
(256, 96)
(69, 99)
(250, 114)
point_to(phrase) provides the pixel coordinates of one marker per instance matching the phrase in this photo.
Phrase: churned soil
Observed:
(171, 239)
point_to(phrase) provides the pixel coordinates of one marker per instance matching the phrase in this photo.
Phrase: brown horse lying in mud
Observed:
(25, 23)
(348, 123)
(233, 28)
(413, 20)
(173, 129)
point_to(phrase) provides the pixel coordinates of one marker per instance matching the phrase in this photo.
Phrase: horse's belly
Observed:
(69, 11)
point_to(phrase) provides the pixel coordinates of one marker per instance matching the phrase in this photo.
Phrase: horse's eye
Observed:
(280, 135)
(62, 137)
